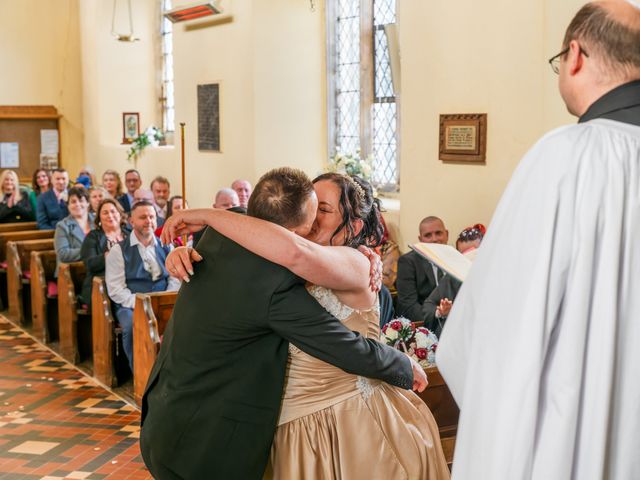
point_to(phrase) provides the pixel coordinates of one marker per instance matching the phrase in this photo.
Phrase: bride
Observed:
(332, 425)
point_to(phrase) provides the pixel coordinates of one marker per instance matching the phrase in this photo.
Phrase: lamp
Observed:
(121, 37)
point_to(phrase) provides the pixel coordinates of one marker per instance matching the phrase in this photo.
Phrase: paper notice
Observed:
(49, 142)
(9, 155)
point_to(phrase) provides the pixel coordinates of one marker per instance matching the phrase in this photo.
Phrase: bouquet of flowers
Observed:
(418, 342)
(351, 164)
(151, 136)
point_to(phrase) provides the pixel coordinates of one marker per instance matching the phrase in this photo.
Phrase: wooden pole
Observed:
(184, 179)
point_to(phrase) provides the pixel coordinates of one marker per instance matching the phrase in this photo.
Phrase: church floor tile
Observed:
(56, 423)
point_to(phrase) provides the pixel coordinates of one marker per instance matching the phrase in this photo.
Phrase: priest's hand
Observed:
(179, 262)
(420, 381)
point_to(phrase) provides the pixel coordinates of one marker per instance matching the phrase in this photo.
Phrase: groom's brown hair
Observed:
(280, 197)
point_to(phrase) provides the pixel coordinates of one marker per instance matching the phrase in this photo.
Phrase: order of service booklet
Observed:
(446, 258)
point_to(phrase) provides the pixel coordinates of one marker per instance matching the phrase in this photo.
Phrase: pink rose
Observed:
(421, 353)
(396, 325)
(434, 347)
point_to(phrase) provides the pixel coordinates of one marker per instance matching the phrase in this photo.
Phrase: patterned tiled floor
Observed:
(55, 423)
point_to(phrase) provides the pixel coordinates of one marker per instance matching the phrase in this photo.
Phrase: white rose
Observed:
(421, 340)
(391, 334)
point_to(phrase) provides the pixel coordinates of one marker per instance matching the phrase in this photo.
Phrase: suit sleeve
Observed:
(41, 214)
(298, 318)
(407, 285)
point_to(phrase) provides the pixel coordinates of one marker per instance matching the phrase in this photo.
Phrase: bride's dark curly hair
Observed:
(356, 202)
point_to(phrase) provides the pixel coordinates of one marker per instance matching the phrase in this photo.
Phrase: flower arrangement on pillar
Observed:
(152, 136)
(351, 164)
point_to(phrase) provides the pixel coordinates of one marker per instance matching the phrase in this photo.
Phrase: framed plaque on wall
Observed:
(463, 137)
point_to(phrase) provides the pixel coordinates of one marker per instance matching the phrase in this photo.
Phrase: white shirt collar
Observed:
(133, 240)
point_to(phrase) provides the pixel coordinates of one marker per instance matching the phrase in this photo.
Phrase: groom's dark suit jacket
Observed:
(214, 394)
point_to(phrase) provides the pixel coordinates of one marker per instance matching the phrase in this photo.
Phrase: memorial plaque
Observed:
(209, 117)
(463, 137)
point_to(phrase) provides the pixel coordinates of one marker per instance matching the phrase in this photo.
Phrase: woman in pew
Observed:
(15, 205)
(112, 183)
(96, 195)
(111, 228)
(40, 183)
(71, 230)
(174, 204)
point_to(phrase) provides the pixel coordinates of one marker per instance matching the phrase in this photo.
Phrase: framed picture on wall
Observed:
(130, 126)
(463, 137)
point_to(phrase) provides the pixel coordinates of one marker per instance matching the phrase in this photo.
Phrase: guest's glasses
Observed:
(555, 60)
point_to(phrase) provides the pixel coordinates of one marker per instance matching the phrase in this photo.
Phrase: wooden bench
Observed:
(18, 254)
(73, 320)
(18, 226)
(444, 409)
(104, 333)
(16, 236)
(150, 317)
(43, 266)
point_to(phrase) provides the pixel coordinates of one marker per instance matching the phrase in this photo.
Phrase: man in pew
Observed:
(51, 206)
(161, 189)
(417, 277)
(133, 182)
(243, 189)
(226, 198)
(136, 265)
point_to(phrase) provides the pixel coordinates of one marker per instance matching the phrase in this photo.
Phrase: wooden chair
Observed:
(444, 409)
(104, 333)
(150, 317)
(18, 254)
(18, 226)
(70, 278)
(43, 266)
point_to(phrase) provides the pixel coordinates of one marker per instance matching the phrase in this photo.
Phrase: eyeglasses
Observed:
(555, 60)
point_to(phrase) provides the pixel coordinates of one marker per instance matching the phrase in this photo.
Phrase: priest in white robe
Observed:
(542, 348)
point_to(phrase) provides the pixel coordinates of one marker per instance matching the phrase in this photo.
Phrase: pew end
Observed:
(150, 317)
(74, 321)
(43, 266)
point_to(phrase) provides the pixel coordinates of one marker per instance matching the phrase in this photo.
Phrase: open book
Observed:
(446, 258)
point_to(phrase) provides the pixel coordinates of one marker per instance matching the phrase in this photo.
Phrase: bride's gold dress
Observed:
(334, 425)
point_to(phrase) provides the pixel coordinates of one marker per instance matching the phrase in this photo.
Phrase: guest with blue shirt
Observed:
(136, 265)
(51, 206)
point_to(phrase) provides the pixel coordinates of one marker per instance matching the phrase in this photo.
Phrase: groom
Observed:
(213, 398)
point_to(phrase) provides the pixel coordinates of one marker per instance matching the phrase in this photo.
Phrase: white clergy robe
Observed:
(542, 348)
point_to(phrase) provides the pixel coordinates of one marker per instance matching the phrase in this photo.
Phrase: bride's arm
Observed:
(337, 268)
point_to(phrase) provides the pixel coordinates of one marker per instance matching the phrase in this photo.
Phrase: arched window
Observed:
(362, 106)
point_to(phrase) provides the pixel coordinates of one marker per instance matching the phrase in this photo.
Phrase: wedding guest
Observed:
(88, 171)
(40, 183)
(136, 265)
(226, 198)
(15, 205)
(72, 230)
(161, 189)
(175, 203)
(133, 182)
(51, 206)
(243, 189)
(83, 181)
(110, 228)
(112, 183)
(96, 195)
(438, 304)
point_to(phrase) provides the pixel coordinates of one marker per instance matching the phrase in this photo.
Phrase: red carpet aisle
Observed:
(55, 423)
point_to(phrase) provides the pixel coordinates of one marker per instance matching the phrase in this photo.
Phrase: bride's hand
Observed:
(179, 262)
(420, 381)
(375, 270)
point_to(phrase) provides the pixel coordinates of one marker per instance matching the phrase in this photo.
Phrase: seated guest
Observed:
(243, 189)
(417, 277)
(438, 304)
(175, 203)
(133, 182)
(112, 183)
(40, 183)
(161, 190)
(136, 265)
(52, 205)
(144, 195)
(83, 181)
(87, 171)
(15, 205)
(226, 198)
(110, 228)
(96, 195)
(71, 231)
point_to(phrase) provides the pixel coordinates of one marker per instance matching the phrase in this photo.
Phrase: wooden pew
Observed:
(43, 266)
(16, 236)
(150, 317)
(444, 409)
(18, 254)
(104, 333)
(18, 226)
(74, 322)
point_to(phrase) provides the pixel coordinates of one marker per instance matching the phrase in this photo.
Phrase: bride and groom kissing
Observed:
(270, 365)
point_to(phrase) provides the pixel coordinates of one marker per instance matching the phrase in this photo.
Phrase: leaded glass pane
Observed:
(384, 144)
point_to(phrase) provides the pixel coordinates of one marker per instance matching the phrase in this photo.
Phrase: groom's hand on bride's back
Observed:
(179, 262)
(420, 381)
